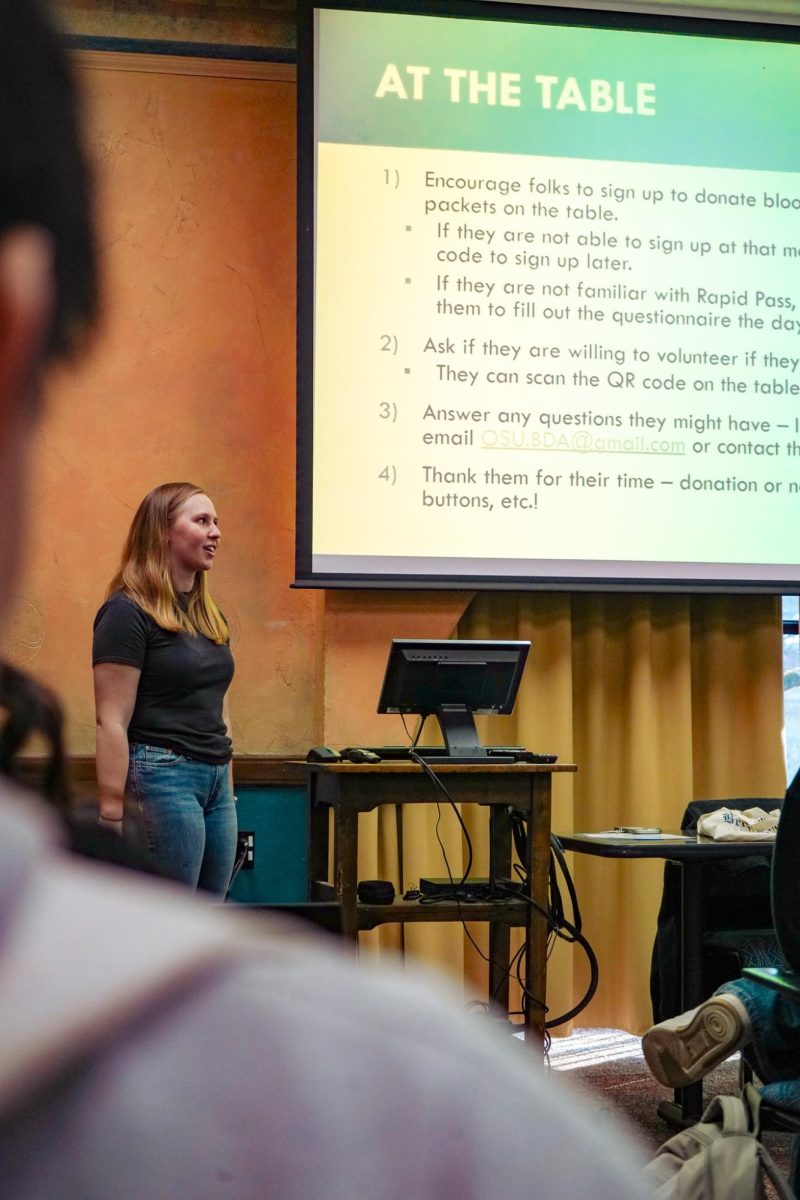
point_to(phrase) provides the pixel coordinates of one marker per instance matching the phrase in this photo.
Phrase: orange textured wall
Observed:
(193, 377)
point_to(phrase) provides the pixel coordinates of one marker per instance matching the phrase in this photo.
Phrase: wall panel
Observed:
(191, 378)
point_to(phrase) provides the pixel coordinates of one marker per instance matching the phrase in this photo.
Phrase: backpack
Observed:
(719, 1158)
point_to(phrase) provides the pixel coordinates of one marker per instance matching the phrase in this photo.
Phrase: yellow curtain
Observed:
(658, 699)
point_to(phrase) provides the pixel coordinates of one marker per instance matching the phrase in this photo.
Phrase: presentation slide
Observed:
(556, 304)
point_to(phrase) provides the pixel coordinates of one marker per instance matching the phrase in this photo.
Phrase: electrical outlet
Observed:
(246, 841)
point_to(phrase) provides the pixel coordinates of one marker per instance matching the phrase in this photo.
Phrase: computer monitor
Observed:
(453, 680)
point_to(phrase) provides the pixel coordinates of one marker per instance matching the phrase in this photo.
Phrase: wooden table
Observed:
(347, 789)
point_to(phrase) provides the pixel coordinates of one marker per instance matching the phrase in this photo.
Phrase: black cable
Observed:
(528, 998)
(434, 778)
(560, 925)
(238, 863)
(455, 893)
(558, 857)
(417, 735)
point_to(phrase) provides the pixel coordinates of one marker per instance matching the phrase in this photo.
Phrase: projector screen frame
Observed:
(402, 571)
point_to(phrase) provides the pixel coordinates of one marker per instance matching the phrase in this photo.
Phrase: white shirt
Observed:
(150, 1051)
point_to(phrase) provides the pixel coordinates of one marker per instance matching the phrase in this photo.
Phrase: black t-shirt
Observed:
(183, 682)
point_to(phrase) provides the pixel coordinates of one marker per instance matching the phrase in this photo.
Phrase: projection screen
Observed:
(549, 299)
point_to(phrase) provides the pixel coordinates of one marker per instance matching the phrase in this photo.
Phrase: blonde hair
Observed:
(144, 573)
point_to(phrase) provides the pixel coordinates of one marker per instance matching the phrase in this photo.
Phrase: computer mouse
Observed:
(323, 754)
(357, 754)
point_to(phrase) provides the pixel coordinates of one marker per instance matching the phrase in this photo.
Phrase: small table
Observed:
(691, 853)
(348, 789)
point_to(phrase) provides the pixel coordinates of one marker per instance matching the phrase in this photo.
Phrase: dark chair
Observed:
(737, 917)
(780, 1102)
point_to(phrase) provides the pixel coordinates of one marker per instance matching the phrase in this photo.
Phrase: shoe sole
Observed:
(680, 1056)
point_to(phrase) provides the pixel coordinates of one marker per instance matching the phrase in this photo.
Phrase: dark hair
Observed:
(44, 181)
(44, 176)
(28, 708)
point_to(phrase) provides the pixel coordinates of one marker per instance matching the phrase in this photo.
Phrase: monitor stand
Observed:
(461, 738)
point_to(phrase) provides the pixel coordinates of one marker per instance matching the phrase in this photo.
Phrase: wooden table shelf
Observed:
(513, 913)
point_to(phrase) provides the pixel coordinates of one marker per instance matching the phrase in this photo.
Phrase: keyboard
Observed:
(438, 755)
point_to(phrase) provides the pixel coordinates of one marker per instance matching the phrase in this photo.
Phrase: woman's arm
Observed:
(226, 716)
(115, 686)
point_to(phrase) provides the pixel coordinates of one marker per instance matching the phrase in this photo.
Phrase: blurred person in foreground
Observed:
(151, 1046)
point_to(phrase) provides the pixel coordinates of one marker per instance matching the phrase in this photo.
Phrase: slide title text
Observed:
(504, 88)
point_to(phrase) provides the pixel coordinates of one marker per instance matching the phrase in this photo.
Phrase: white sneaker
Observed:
(684, 1049)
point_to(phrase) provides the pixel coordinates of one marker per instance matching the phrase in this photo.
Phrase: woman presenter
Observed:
(162, 667)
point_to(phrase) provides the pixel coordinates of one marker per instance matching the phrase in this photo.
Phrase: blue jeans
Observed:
(774, 1052)
(184, 810)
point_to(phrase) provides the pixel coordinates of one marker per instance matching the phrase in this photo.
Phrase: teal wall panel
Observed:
(278, 816)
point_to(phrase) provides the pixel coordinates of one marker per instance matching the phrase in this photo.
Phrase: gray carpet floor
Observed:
(609, 1068)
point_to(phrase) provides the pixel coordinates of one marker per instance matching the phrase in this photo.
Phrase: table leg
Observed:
(499, 931)
(318, 821)
(345, 865)
(688, 1103)
(537, 855)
